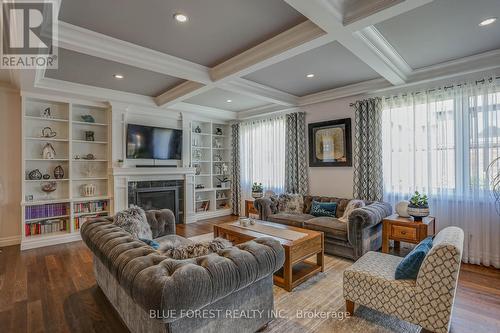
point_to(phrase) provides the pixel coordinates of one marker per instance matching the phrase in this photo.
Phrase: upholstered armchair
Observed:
(426, 301)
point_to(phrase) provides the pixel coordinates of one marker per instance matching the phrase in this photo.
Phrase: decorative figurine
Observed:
(88, 190)
(35, 175)
(225, 168)
(46, 176)
(218, 143)
(218, 131)
(197, 129)
(48, 152)
(58, 172)
(89, 157)
(77, 157)
(87, 118)
(89, 136)
(49, 187)
(47, 132)
(46, 113)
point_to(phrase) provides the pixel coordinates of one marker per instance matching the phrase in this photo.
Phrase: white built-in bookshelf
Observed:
(211, 155)
(82, 192)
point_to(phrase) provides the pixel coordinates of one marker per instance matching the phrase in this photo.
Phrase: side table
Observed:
(405, 229)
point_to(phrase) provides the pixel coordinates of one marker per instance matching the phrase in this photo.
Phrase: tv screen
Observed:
(147, 142)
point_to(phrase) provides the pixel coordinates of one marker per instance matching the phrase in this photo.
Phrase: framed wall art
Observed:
(330, 143)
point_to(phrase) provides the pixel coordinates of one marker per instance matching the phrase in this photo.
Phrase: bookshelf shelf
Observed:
(210, 153)
(53, 218)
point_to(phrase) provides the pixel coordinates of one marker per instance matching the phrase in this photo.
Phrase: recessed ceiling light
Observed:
(180, 17)
(487, 21)
(229, 100)
(309, 76)
(118, 76)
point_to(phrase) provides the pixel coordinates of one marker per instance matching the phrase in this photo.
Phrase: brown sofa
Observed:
(352, 239)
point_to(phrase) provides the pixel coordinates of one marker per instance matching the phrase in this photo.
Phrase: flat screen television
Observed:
(148, 142)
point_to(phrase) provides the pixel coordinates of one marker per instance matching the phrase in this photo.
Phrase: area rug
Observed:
(318, 306)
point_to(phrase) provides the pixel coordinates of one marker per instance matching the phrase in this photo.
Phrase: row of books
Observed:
(78, 221)
(46, 227)
(48, 210)
(89, 207)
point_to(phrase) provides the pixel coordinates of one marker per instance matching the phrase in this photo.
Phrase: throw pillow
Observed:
(197, 249)
(154, 244)
(352, 205)
(134, 221)
(410, 265)
(323, 209)
(291, 203)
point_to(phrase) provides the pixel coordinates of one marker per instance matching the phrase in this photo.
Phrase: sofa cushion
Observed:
(341, 204)
(291, 203)
(332, 227)
(410, 265)
(323, 209)
(294, 220)
(134, 221)
(171, 241)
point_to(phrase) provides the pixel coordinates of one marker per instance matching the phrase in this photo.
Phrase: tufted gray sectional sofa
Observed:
(154, 293)
(352, 239)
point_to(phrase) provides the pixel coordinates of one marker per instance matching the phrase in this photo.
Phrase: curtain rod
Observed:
(444, 88)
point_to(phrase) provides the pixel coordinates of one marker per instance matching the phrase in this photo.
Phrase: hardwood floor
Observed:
(53, 289)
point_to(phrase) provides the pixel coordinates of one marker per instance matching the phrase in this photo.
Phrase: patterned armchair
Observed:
(426, 301)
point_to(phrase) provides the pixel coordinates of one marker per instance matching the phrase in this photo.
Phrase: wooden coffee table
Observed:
(296, 269)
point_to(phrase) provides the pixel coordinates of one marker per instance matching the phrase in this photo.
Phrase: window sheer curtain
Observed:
(441, 143)
(262, 155)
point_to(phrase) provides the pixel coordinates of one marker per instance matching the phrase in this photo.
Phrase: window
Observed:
(262, 154)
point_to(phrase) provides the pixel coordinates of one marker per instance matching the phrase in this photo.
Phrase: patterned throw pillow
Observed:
(323, 209)
(410, 265)
(291, 203)
(134, 221)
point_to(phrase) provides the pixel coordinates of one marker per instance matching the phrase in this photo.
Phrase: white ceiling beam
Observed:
(257, 90)
(88, 42)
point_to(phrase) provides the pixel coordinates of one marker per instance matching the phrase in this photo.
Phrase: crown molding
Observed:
(265, 111)
(364, 13)
(377, 42)
(350, 90)
(205, 111)
(92, 43)
(472, 64)
(289, 39)
(263, 92)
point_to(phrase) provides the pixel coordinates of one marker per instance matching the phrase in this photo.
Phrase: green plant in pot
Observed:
(257, 190)
(419, 206)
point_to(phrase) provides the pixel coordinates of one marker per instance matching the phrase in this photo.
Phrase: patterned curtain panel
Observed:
(367, 157)
(235, 184)
(296, 171)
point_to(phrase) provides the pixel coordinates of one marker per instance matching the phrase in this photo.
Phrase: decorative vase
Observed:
(402, 208)
(35, 175)
(58, 172)
(418, 212)
(257, 195)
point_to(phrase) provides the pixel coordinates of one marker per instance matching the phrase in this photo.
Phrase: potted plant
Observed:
(257, 190)
(224, 182)
(419, 206)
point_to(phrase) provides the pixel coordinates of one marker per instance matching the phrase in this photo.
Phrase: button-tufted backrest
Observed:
(162, 222)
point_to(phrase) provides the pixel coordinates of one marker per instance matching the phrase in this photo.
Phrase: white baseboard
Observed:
(11, 240)
(49, 240)
(212, 214)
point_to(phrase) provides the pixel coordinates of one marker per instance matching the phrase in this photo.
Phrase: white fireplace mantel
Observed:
(122, 176)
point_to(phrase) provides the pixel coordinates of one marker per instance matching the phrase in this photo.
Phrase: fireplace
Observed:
(158, 195)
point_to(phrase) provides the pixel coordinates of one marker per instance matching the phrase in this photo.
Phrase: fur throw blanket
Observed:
(197, 249)
(134, 221)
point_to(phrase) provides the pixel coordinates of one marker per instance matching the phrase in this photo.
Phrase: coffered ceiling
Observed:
(332, 65)
(443, 30)
(98, 72)
(226, 100)
(257, 53)
(216, 29)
